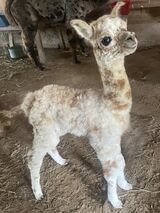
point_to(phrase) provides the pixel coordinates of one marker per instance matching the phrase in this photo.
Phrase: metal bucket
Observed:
(3, 21)
(16, 52)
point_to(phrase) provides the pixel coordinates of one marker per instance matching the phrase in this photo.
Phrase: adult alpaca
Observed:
(29, 14)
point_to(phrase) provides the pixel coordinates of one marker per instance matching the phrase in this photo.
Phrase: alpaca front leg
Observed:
(113, 169)
(111, 179)
(35, 161)
(106, 153)
(121, 181)
(110, 166)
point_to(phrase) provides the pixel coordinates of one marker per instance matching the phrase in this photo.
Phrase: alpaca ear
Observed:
(116, 10)
(82, 28)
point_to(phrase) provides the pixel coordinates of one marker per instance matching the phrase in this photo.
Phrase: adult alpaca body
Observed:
(29, 14)
(102, 116)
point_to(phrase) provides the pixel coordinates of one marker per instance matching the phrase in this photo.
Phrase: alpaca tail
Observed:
(8, 13)
(27, 104)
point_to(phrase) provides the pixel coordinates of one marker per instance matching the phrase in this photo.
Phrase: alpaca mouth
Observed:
(128, 49)
(130, 43)
(130, 46)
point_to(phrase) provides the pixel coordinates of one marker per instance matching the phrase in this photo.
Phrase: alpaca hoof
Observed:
(85, 54)
(127, 186)
(77, 62)
(39, 196)
(64, 162)
(41, 67)
(66, 49)
(117, 204)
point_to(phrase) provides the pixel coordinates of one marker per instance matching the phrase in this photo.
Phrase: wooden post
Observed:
(10, 39)
(40, 48)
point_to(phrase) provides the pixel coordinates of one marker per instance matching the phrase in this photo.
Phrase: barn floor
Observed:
(77, 187)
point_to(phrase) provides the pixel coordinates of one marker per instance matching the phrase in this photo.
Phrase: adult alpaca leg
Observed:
(26, 18)
(72, 39)
(83, 46)
(28, 38)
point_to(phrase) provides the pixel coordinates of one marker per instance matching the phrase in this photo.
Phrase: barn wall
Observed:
(50, 39)
(145, 22)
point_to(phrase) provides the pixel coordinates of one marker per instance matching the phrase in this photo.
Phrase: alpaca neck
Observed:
(116, 87)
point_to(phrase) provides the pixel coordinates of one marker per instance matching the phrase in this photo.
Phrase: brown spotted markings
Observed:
(109, 166)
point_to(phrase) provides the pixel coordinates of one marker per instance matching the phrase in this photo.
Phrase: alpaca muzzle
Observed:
(130, 40)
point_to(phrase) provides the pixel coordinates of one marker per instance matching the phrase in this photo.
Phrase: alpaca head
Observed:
(108, 35)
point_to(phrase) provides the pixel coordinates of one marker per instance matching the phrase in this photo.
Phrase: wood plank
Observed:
(9, 28)
(145, 3)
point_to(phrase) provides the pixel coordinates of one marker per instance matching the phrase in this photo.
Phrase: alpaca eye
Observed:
(106, 40)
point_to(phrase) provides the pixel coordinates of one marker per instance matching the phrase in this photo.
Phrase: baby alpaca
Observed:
(102, 116)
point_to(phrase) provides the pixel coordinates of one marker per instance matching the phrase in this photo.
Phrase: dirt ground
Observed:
(77, 187)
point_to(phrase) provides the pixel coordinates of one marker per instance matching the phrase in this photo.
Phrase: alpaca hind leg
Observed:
(52, 149)
(72, 39)
(41, 143)
(27, 20)
(83, 47)
(36, 156)
(56, 156)
(73, 44)
(28, 38)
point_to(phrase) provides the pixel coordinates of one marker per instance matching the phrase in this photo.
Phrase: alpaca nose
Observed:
(131, 37)
(130, 40)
